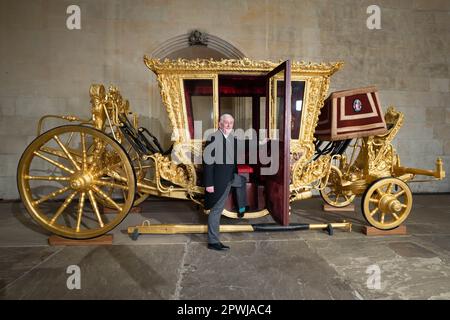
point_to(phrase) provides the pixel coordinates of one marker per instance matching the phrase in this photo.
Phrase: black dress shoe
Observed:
(218, 246)
(224, 247)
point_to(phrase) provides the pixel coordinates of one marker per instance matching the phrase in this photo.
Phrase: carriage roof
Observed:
(238, 66)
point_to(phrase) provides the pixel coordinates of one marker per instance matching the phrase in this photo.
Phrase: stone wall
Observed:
(47, 69)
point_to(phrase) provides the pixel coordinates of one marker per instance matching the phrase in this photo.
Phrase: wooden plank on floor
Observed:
(371, 231)
(105, 239)
(349, 208)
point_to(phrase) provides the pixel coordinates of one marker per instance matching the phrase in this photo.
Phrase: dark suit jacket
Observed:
(224, 166)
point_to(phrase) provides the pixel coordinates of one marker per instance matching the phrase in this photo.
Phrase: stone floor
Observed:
(260, 265)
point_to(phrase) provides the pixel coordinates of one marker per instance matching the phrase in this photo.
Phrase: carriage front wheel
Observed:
(386, 203)
(333, 194)
(63, 177)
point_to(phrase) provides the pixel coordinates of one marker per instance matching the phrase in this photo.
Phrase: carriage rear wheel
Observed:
(63, 177)
(386, 203)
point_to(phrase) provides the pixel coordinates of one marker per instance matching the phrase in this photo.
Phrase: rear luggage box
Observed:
(351, 114)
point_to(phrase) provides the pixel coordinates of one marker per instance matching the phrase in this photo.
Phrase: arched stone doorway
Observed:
(191, 45)
(195, 45)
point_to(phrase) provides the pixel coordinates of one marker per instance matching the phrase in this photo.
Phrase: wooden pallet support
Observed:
(106, 239)
(371, 231)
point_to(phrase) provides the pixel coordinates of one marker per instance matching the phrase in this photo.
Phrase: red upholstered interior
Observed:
(241, 86)
(229, 86)
(244, 168)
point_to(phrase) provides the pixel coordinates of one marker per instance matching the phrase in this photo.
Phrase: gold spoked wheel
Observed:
(63, 177)
(386, 203)
(333, 193)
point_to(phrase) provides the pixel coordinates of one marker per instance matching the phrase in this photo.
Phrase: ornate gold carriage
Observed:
(80, 180)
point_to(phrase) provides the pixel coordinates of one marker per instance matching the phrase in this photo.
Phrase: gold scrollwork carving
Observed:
(378, 156)
(179, 174)
(304, 175)
(183, 65)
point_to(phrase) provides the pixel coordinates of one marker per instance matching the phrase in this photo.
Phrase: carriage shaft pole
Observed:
(199, 228)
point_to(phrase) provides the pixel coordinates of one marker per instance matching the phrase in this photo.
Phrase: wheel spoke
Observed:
(47, 178)
(51, 195)
(63, 207)
(398, 194)
(59, 153)
(69, 156)
(395, 215)
(95, 207)
(373, 200)
(106, 169)
(83, 150)
(80, 210)
(107, 198)
(373, 212)
(53, 152)
(380, 192)
(111, 184)
(382, 217)
(388, 189)
(56, 164)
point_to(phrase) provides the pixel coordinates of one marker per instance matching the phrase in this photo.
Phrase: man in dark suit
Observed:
(220, 174)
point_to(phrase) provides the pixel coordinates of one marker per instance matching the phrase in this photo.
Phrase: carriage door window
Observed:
(297, 98)
(198, 95)
(298, 91)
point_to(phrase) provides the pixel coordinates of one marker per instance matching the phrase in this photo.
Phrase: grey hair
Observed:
(225, 115)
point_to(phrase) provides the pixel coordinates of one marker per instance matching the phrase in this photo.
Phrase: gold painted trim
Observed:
(233, 65)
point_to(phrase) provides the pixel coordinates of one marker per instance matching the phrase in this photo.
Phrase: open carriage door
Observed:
(277, 185)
